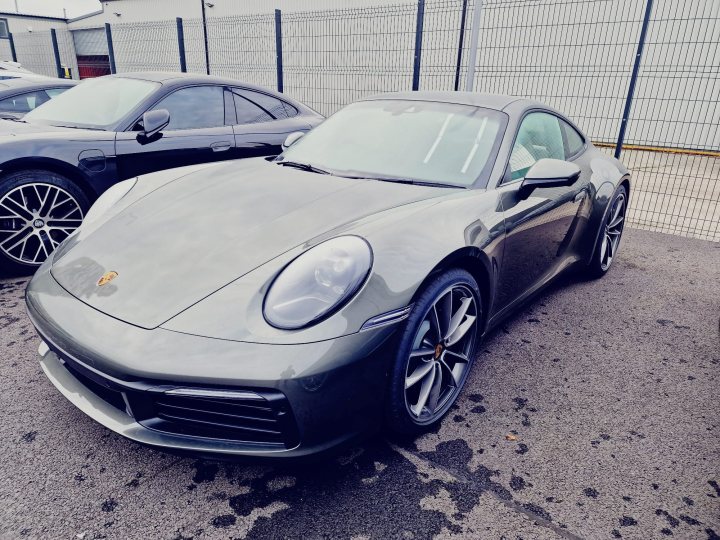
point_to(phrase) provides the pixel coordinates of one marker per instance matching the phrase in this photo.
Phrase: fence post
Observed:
(111, 50)
(181, 43)
(205, 38)
(418, 44)
(12, 47)
(278, 49)
(460, 45)
(633, 79)
(474, 38)
(56, 53)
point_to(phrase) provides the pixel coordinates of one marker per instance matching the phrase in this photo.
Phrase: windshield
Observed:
(95, 103)
(440, 143)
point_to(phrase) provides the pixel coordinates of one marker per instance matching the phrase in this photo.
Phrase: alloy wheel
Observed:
(34, 219)
(613, 232)
(441, 354)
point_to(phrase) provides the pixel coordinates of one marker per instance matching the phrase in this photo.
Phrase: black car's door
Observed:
(198, 133)
(262, 123)
(541, 227)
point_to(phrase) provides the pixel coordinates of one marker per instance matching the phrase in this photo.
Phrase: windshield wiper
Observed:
(303, 167)
(409, 181)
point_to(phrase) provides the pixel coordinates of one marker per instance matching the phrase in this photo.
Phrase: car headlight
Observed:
(108, 199)
(318, 282)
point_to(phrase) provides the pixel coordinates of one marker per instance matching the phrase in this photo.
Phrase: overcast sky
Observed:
(52, 8)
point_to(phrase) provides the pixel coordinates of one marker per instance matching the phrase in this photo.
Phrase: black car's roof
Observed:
(488, 101)
(26, 83)
(183, 78)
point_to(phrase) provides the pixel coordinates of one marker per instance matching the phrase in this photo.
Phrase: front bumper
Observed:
(317, 395)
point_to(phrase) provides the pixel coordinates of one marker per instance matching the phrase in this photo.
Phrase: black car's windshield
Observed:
(95, 103)
(430, 142)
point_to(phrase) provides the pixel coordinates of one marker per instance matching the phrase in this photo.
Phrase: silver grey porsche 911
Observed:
(283, 306)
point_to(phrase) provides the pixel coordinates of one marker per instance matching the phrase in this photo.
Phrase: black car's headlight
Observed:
(318, 282)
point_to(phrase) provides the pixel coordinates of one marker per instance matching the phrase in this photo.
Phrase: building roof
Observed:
(5, 14)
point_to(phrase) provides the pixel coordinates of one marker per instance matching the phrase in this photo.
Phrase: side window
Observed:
(539, 137)
(195, 107)
(574, 143)
(248, 112)
(4, 30)
(55, 92)
(275, 107)
(24, 102)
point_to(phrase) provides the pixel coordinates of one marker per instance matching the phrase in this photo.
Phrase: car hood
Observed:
(10, 128)
(185, 240)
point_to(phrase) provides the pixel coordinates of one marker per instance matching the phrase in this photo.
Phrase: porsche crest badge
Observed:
(106, 278)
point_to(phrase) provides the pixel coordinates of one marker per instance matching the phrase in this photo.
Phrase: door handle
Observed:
(220, 146)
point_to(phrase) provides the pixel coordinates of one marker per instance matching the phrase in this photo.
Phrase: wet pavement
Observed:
(592, 413)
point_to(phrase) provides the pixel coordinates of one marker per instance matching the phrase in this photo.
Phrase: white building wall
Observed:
(576, 55)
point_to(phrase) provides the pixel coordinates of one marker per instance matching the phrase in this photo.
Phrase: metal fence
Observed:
(640, 77)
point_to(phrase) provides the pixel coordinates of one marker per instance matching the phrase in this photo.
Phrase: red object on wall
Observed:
(93, 66)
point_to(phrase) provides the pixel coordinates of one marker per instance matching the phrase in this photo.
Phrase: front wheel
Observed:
(38, 210)
(436, 350)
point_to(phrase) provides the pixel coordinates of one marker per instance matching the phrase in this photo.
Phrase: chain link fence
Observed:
(641, 77)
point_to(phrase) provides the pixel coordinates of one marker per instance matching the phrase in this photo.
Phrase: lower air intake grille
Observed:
(265, 421)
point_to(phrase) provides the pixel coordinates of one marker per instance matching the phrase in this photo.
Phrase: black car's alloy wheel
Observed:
(610, 235)
(38, 210)
(436, 351)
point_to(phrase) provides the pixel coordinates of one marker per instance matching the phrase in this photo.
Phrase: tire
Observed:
(38, 210)
(609, 236)
(405, 414)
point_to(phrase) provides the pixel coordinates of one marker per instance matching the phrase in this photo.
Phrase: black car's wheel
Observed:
(435, 353)
(610, 234)
(38, 210)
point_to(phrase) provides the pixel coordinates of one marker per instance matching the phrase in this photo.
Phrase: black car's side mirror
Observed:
(549, 173)
(291, 139)
(153, 122)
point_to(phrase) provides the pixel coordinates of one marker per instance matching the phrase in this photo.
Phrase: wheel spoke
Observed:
(615, 222)
(17, 236)
(424, 393)
(603, 249)
(461, 330)
(458, 316)
(421, 371)
(460, 357)
(435, 390)
(610, 246)
(422, 352)
(19, 210)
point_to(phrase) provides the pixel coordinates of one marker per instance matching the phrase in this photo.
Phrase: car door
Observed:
(262, 123)
(197, 133)
(539, 228)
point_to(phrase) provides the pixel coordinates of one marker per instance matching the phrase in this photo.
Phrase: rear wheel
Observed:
(435, 353)
(38, 210)
(610, 236)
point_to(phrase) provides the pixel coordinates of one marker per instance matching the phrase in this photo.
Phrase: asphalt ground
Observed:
(592, 413)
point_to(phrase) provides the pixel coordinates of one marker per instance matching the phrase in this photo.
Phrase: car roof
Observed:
(489, 101)
(184, 78)
(34, 84)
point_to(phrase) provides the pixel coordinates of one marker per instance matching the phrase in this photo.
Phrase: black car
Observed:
(19, 96)
(57, 159)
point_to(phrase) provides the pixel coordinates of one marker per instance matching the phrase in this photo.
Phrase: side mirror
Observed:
(155, 121)
(549, 173)
(291, 139)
